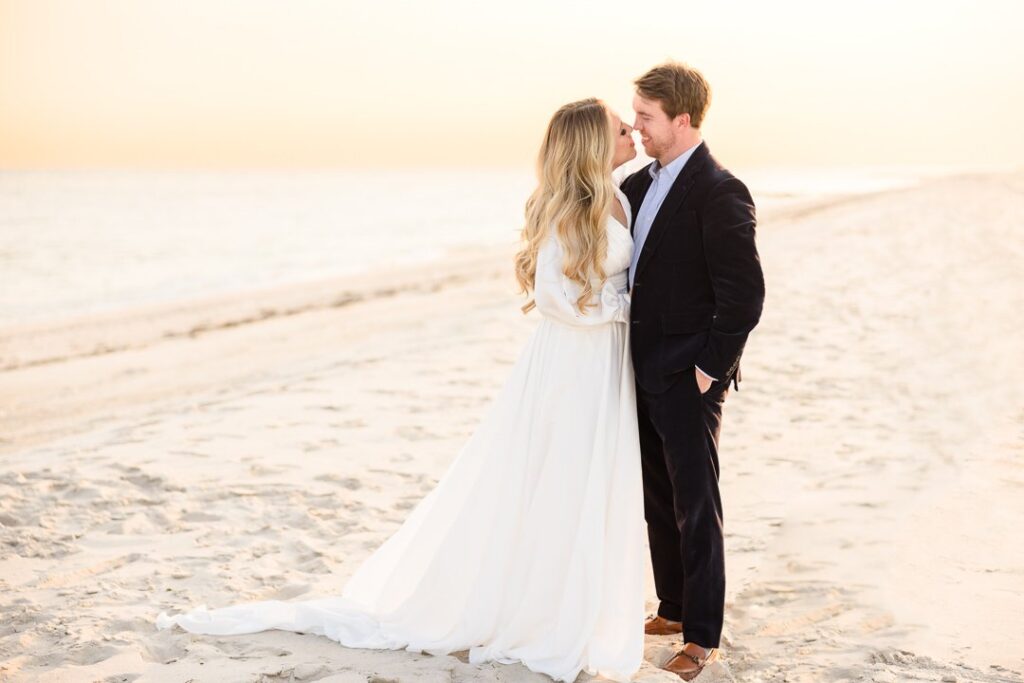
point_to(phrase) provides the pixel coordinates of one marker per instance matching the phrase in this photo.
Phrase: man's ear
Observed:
(683, 120)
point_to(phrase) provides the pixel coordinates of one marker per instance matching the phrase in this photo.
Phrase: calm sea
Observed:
(75, 242)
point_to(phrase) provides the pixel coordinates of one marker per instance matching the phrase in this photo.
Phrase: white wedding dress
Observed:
(531, 547)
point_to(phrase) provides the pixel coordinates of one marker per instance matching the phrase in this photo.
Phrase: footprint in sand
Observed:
(289, 591)
(264, 471)
(355, 423)
(415, 433)
(334, 408)
(135, 475)
(349, 483)
(200, 516)
(240, 649)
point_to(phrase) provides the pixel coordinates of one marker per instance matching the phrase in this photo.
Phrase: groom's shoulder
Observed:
(721, 180)
(715, 171)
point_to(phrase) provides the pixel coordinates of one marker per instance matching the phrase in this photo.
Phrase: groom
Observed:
(697, 292)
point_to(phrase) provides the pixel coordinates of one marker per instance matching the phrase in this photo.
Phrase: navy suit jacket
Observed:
(698, 289)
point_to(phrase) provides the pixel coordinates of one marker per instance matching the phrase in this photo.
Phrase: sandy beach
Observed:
(259, 446)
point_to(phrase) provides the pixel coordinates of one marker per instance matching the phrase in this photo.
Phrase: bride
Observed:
(530, 549)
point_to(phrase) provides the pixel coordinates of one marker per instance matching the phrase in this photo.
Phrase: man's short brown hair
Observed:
(679, 88)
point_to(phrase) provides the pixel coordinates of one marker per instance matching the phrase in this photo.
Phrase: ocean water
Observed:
(79, 242)
(87, 241)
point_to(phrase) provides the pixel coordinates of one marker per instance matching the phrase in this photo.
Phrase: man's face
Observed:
(657, 131)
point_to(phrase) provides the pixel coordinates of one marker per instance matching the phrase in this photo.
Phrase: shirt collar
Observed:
(672, 169)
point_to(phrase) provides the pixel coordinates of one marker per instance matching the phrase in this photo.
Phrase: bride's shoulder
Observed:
(621, 195)
(626, 211)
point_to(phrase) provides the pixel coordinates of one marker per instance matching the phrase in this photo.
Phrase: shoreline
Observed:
(89, 350)
(71, 336)
(110, 332)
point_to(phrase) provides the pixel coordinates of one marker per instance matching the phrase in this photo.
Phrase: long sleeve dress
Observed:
(530, 548)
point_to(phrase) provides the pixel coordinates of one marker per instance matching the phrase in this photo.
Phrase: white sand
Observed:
(259, 447)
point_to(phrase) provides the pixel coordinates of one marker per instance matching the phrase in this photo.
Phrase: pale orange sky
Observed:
(161, 83)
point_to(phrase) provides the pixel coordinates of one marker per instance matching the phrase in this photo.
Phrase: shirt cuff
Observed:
(706, 374)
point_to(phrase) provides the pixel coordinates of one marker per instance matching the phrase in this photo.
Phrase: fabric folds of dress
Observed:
(530, 548)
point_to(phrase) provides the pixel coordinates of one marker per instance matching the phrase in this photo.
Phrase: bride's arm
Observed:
(556, 295)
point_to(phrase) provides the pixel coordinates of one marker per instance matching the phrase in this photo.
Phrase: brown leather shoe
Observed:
(690, 661)
(660, 626)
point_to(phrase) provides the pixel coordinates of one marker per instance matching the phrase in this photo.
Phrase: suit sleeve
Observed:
(735, 269)
(556, 295)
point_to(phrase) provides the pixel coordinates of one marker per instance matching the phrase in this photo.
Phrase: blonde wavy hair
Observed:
(573, 197)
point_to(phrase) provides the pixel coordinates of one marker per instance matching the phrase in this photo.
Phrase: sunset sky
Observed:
(261, 83)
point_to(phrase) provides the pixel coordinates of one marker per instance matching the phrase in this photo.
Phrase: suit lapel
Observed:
(673, 200)
(643, 183)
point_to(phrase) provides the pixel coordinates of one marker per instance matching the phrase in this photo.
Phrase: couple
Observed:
(530, 548)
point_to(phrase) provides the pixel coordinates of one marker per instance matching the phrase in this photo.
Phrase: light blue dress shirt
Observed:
(663, 179)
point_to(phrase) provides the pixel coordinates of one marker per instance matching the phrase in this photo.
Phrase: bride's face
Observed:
(625, 149)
